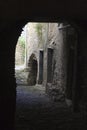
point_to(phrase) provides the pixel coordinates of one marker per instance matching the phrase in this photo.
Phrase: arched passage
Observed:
(32, 76)
(9, 77)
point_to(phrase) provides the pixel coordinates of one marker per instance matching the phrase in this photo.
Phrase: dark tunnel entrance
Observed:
(32, 76)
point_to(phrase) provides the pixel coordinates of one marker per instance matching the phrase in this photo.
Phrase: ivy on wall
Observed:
(21, 42)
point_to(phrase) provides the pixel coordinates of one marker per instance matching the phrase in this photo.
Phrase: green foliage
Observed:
(21, 41)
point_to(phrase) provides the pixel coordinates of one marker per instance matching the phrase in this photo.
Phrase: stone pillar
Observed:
(8, 39)
(80, 101)
(71, 39)
(40, 78)
(7, 90)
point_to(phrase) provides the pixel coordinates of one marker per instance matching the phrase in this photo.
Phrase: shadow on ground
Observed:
(36, 111)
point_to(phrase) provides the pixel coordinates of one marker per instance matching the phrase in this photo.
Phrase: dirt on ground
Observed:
(36, 111)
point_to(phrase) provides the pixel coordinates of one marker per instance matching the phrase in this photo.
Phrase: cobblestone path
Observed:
(35, 111)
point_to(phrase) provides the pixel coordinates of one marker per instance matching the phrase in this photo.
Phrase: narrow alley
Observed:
(36, 111)
(43, 65)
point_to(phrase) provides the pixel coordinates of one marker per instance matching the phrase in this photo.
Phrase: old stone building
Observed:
(50, 53)
(33, 44)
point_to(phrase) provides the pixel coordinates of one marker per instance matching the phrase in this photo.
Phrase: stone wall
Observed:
(35, 38)
(59, 77)
(20, 54)
(56, 42)
(52, 40)
(82, 73)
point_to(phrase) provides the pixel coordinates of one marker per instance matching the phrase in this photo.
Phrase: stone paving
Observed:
(36, 111)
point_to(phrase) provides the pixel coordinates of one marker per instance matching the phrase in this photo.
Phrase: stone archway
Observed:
(32, 76)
